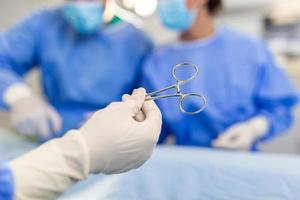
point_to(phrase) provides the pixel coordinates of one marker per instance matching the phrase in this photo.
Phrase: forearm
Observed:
(48, 171)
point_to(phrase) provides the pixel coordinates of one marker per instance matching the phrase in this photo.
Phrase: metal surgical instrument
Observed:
(177, 86)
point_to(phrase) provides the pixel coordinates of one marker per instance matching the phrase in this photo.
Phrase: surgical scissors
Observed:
(177, 86)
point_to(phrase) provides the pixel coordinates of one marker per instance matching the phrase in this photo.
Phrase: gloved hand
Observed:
(30, 115)
(111, 141)
(122, 142)
(242, 136)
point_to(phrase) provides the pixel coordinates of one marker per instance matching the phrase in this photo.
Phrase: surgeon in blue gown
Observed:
(250, 98)
(84, 63)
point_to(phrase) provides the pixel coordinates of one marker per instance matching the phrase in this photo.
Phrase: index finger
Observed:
(152, 112)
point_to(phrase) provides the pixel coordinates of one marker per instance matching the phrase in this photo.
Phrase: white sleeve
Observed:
(15, 92)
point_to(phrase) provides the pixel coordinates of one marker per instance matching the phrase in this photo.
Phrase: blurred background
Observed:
(264, 18)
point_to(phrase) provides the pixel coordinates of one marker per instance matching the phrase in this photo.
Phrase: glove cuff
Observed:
(260, 126)
(75, 153)
(15, 92)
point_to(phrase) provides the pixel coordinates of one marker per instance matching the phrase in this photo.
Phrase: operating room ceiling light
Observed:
(145, 8)
(142, 8)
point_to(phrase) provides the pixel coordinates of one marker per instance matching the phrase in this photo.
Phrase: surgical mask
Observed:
(175, 15)
(84, 17)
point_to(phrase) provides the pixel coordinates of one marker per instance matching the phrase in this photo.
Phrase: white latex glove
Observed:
(140, 116)
(242, 136)
(112, 141)
(122, 142)
(30, 115)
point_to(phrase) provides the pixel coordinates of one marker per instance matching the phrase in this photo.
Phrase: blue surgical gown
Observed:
(239, 78)
(6, 183)
(79, 74)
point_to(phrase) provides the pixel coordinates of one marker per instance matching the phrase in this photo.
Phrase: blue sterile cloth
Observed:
(181, 173)
(186, 173)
